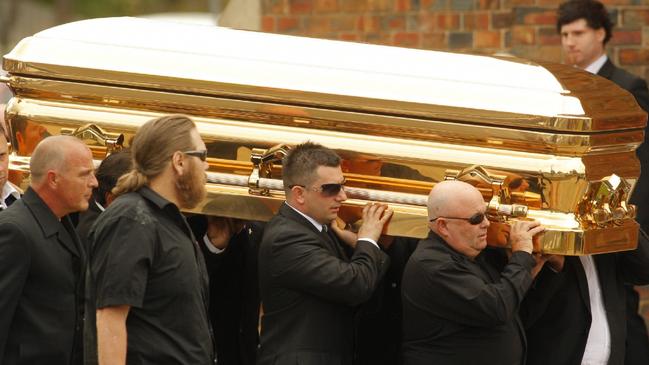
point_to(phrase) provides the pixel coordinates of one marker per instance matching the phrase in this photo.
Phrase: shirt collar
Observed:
(99, 206)
(317, 225)
(154, 197)
(7, 190)
(597, 65)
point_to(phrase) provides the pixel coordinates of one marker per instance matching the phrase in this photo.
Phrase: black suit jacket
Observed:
(462, 311)
(234, 292)
(638, 340)
(556, 311)
(41, 285)
(638, 88)
(309, 290)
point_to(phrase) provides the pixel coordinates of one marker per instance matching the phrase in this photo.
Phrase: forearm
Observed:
(111, 335)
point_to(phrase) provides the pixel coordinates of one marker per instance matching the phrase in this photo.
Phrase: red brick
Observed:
(551, 3)
(406, 39)
(379, 5)
(378, 38)
(368, 23)
(460, 40)
(393, 23)
(535, 16)
(548, 53)
(626, 37)
(548, 36)
(317, 25)
(274, 7)
(412, 23)
(635, 17)
(633, 56)
(487, 39)
(434, 40)
(488, 4)
(523, 35)
(300, 6)
(474, 21)
(288, 24)
(429, 22)
(428, 4)
(268, 23)
(344, 23)
(608, 3)
(501, 20)
(402, 5)
(351, 37)
(355, 5)
(325, 6)
(509, 4)
(448, 21)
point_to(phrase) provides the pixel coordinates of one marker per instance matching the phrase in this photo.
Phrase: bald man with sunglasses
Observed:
(460, 303)
(312, 275)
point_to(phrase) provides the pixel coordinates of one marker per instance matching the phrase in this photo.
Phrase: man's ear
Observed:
(298, 193)
(178, 163)
(442, 228)
(52, 179)
(600, 34)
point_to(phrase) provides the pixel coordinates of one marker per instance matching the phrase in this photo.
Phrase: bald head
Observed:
(448, 198)
(52, 154)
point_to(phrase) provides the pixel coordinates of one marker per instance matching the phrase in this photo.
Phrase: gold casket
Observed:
(540, 140)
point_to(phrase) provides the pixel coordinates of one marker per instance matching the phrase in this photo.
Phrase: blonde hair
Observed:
(151, 150)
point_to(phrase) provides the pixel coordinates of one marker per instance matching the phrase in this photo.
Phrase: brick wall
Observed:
(525, 28)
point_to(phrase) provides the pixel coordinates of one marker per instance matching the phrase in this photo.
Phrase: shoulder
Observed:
(430, 256)
(18, 215)
(627, 80)
(129, 206)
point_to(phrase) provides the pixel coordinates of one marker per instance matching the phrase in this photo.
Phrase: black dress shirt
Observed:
(462, 311)
(145, 256)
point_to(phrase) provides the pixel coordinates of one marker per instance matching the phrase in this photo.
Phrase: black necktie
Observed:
(10, 200)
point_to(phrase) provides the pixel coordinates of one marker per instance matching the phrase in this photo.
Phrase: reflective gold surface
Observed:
(540, 141)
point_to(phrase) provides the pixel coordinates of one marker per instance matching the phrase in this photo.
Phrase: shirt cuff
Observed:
(370, 240)
(210, 246)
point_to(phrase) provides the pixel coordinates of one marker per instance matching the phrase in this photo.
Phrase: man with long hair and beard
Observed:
(150, 281)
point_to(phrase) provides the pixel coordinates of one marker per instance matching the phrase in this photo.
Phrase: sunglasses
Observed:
(327, 190)
(473, 220)
(202, 154)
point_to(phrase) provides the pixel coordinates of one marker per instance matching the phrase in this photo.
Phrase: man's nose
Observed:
(342, 196)
(93, 181)
(485, 222)
(568, 40)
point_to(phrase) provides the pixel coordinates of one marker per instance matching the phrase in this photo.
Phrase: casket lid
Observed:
(206, 60)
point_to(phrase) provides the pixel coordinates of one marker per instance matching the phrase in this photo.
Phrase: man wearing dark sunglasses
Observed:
(309, 286)
(459, 308)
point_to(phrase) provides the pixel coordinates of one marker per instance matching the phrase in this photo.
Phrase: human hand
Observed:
(522, 234)
(348, 237)
(375, 215)
(220, 230)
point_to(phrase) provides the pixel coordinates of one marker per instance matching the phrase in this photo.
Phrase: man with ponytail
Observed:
(150, 281)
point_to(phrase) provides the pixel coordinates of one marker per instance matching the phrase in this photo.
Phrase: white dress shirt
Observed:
(597, 65)
(598, 345)
(7, 190)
